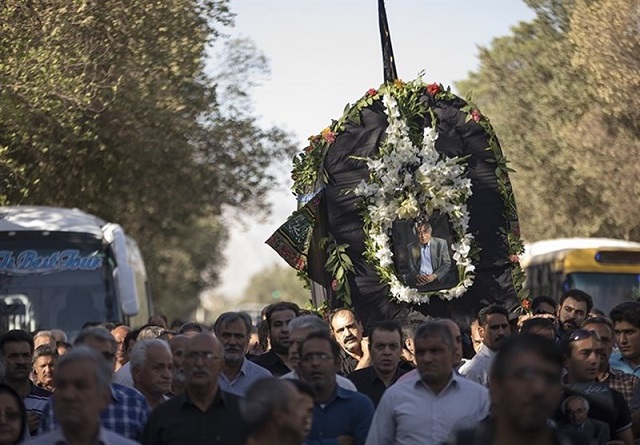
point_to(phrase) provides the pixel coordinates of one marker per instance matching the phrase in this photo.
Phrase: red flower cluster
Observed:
(526, 304)
(328, 135)
(476, 115)
(372, 92)
(514, 258)
(433, 89)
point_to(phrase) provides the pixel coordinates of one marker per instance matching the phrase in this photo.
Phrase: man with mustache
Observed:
(493, 326)
(44, 363)
(16, 347)
(204, 413)
(233, 329)
(574, 307)
(347, 330)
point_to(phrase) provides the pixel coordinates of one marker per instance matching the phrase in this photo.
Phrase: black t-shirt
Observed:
(605, 404)
(270, 361)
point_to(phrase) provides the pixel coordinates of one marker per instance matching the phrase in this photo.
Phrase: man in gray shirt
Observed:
(430, 407)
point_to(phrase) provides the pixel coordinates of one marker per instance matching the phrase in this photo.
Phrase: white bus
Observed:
(606, 269)
(61, 268)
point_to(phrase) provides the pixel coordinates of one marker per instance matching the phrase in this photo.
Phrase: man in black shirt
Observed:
(583, 353)
(204, 413)
(277, 317)
(385, 348)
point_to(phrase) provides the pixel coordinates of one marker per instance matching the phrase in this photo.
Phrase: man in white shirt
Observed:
(432, 406)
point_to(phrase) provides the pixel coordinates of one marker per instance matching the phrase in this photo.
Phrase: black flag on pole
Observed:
(390, 73)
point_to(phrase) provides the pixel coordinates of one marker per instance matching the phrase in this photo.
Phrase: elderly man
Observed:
(348, 331)
(494, 328)
(429, 260)
(428, 408)
(277, 318)
(233, 329)
(272, 412)
(576, 410)
(128, 411)
(44, 363)
(339, 416)
(123, 375)
(204, 413)
(385, 348)
(83, 391)
(151, 368)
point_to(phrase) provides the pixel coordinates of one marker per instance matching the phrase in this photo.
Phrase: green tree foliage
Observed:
(106, 106)
(276, 283)
(561, 92)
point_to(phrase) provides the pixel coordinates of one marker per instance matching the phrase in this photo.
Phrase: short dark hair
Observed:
(434, 328)
(410, 325)
(303, 387)
(322, 335)
(536, 323)
(131, 336)
(231, 317)
(190, 326)
(601, 320)
(492, 309)
(387, 326)
(16, 336)
(263, 398)
(543, 299)
(545, 348)
(578, 295)
(629, 312)
(278, 307)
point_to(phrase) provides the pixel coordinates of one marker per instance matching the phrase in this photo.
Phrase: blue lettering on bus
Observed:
(59, 261)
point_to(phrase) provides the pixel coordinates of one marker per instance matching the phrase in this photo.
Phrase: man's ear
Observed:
(408, 344)
(481, 332)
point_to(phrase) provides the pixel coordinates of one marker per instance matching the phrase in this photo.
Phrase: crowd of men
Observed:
(562, 374)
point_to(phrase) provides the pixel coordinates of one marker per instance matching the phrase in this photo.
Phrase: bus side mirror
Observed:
(123, 274)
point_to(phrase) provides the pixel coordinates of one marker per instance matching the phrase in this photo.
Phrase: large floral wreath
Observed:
(407, 180)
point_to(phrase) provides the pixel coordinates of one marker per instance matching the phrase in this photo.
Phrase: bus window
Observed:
(607, 289)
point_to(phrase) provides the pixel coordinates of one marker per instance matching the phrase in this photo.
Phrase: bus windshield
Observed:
(49, 282)
(607, 289)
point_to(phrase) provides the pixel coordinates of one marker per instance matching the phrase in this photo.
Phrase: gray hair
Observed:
(44, 351)
(566, 401)
(47, 334)
(60, 333)
(102, 369)
(311, 323)
(435, 329)
(151, 332)
(98, 333)
(230, 317)
(138, 354)
(263, 397)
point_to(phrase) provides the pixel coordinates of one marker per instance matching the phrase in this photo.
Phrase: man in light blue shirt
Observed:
(626, 326)
(430, 407)
(233, 329)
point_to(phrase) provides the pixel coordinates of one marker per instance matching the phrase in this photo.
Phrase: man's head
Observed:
(271, 407)
(190, 329)
(347, 330)
(476, 338)
(277, 317)
(83, 388)
(17, 351)
(525, 384)
(44, 364)
(409, 327)
(306, 404)
(626, 325)
(203, 356)
(457, 339)
(233, 329)
(423, 232)
(573, 309)
(385, 346)
(493, 326)
(129, 341)
(539, 326)
(150, 331)
(576, 409)
(119, 333)
(319, 361)
(100, 340)
(44, 338)
(604, 328)
(151, 367)
(177, 345)
(435, 352)
(583, 354)
(544, 305)
(299, 328)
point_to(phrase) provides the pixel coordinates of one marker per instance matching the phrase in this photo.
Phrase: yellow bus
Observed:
(607, 269)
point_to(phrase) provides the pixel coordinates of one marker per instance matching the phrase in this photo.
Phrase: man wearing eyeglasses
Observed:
(583, 353)
(204, 413)
(340, 416)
